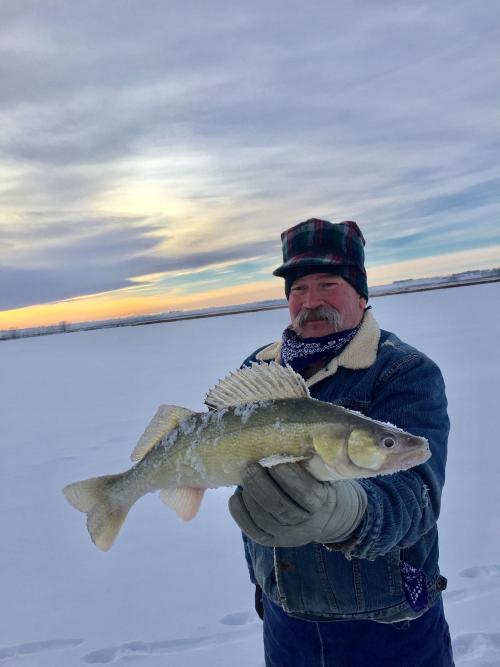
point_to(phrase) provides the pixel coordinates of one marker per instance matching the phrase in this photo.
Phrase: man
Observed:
(358, 582)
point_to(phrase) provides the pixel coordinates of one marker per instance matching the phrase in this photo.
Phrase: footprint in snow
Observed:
(490, 576)
(136, 650)
(481, 571)
(481, 647)
(238, 618)
(63, 459)
(459, 595)
(37, 647)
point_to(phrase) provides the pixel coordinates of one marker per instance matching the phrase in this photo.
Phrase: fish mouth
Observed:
(416, 458)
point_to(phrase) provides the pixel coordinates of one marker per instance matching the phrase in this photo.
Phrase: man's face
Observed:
(326, 290)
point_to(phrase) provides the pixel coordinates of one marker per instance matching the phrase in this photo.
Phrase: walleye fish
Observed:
(262, 413)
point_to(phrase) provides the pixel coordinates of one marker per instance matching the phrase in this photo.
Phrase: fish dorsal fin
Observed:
(165, 420)
(258, 382)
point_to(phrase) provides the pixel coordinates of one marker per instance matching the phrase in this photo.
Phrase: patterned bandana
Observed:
(414, 586)
(301, 352)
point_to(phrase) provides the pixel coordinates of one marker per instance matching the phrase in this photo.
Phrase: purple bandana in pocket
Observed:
(415, 586)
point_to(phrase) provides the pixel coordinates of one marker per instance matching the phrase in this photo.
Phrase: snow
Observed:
(246, 410)
(174, 593)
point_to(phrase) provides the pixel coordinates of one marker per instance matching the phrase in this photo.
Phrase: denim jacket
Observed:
(386, 379)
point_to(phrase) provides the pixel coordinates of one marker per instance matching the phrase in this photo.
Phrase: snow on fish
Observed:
(261, 413)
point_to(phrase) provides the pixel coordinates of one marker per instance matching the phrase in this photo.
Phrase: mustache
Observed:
(327, 313)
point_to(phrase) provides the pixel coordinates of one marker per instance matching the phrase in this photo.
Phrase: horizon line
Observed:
(419, 284)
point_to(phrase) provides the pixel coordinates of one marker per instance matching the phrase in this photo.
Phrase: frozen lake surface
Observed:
(170, 593)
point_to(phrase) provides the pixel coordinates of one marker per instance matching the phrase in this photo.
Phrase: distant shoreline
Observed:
(399, 287)
(387, 290)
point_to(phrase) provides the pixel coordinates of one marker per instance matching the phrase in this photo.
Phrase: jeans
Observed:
(291, 642)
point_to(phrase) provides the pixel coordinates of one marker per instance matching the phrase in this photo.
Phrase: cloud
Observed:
(74, 256)
(192, 134)
(87, 255)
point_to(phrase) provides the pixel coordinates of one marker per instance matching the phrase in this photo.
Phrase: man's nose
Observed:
(312, 298)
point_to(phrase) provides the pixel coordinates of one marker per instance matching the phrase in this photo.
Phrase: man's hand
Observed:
(285, 506)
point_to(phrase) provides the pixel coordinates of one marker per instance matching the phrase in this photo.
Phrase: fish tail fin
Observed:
(105, 514)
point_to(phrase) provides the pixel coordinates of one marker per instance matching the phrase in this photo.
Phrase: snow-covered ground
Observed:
(170, 593)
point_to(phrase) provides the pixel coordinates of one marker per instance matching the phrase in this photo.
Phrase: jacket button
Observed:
(441, 583)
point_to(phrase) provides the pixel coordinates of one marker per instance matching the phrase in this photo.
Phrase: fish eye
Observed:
(388, 441)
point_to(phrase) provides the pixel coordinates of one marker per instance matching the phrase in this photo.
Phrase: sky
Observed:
(151, 153)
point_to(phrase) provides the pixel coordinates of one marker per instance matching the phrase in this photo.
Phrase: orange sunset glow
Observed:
(117, 305)
(131, 302)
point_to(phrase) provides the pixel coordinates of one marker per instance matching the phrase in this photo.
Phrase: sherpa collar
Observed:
(360, 353)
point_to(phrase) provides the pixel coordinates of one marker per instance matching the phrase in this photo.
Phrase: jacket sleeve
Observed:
(402, 507)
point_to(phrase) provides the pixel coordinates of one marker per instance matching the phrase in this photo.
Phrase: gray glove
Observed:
(285, 506)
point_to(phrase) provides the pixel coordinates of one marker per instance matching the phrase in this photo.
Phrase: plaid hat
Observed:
(319, 246)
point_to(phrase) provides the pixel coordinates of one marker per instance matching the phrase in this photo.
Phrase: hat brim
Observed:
(315, 263)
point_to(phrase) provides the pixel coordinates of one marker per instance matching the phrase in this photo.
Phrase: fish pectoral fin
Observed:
(276, 459)
(165, 420)
(320, 471)
(184, 500)
(258, 382)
